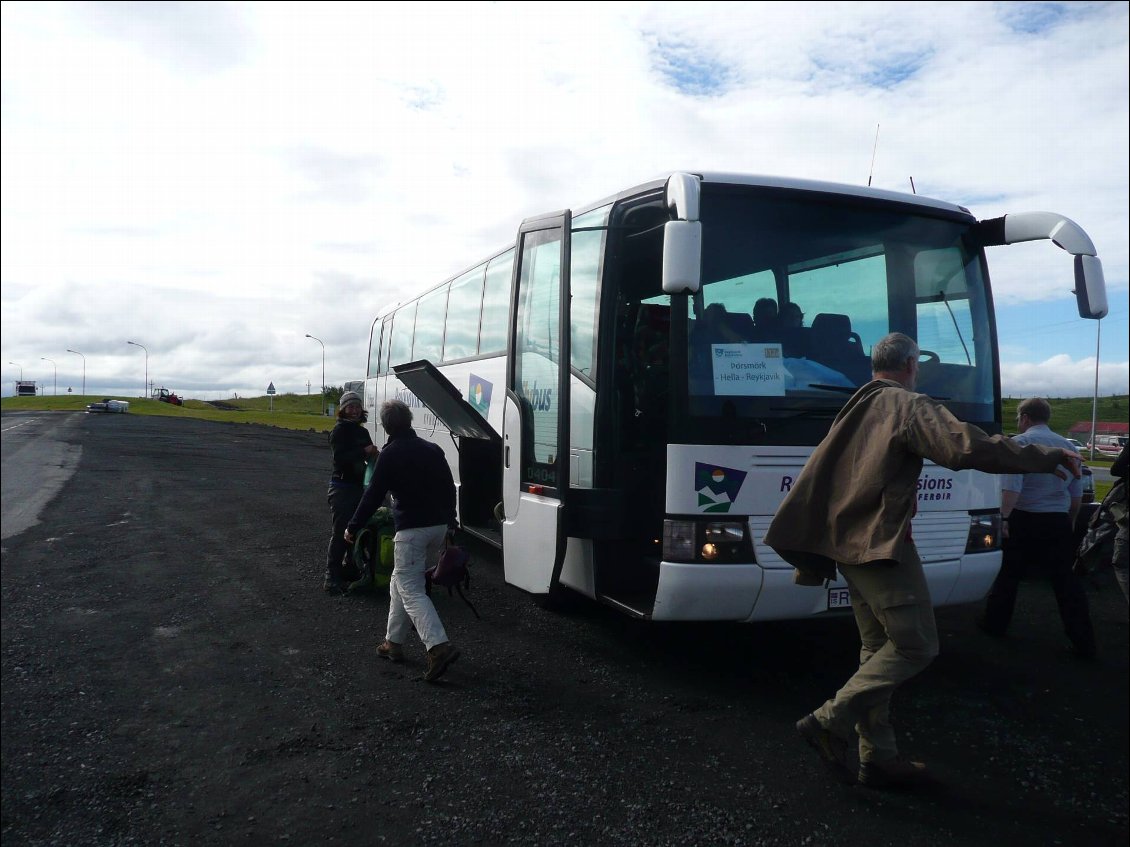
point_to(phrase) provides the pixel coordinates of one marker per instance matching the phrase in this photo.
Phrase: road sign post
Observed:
(271, 395)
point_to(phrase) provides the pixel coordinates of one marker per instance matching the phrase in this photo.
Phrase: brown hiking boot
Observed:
(439, 657)
(832, 749)
(393, 652)
(893, 773)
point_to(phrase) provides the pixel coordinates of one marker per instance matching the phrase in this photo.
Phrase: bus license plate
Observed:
(839, 598)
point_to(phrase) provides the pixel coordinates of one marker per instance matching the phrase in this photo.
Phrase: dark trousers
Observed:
(343, 499)
(1041, 542)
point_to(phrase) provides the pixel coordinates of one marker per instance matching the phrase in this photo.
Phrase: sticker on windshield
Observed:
(749, 370)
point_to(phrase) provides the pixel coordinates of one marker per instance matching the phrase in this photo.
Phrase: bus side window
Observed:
(382, 351)
(375, 339)
(400, 350)
(494, 325)
(386, 343)
(464, 305)
(431, 313)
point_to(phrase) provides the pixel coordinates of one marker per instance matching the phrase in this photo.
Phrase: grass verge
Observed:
(290, 411)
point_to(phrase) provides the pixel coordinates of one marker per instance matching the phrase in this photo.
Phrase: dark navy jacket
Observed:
(415, 472)
(348, 441)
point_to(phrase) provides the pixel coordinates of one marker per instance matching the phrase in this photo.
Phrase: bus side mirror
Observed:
(1090, 287)
(682, 257)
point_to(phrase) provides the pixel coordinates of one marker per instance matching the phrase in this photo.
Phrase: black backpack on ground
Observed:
(1096, 550)
(452, 571)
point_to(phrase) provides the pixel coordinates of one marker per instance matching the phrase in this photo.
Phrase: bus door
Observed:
(479, 445)
(535, 429)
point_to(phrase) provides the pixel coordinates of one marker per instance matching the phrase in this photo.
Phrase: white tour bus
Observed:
(617, 424)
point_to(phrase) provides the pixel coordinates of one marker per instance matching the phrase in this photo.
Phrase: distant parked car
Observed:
(1088, 485)
(108, 405)
(1109, 445)
(1078, 445)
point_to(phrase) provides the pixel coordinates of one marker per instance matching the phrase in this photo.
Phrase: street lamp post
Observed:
(56, 378)
(145, 384)
(21, 367)
(1095, 399)
(77, 353)
(308, 335)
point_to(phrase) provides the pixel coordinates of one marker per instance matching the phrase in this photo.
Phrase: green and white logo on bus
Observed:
(478, 394)
(717, 486)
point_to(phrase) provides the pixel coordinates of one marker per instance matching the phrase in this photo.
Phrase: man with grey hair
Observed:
(1039, 512)
(850, 509)
(415, 473)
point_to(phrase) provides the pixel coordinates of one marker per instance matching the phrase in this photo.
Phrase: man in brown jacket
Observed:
(851, 509)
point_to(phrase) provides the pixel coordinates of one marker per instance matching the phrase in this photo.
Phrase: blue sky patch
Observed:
(688, 69)
(1032, 18)
(895, 70)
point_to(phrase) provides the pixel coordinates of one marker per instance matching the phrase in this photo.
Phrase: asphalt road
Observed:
(173, 674)
(37, 461)
(1102, 474)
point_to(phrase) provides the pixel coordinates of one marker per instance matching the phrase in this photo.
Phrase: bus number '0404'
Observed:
(541, 475)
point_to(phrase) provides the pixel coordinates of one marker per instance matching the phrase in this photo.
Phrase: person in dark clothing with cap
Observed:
(351, 446)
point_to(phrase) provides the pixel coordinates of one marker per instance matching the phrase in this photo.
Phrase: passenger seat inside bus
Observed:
(833, 343)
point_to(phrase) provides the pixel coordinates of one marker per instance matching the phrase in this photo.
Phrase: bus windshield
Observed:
(797, 287)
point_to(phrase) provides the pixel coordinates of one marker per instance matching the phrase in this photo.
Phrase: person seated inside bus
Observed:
(791, 316)
(765, 317)
(793, 333)
(717, 326)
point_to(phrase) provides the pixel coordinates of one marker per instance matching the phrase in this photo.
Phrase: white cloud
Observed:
(1062, 376)
(217, 180)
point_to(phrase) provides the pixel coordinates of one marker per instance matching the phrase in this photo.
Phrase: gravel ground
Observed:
(173, 674)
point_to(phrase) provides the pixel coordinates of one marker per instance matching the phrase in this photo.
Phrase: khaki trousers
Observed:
(898, 639)
(409, 605)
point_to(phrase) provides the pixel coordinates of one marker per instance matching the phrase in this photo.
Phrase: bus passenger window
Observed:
(400, 350)
(374, 348)
(584, 288)
(386, 343)
(430, 316)
(463, 307)
(494, 326)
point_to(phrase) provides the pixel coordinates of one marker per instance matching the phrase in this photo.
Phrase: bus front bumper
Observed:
(749, 592)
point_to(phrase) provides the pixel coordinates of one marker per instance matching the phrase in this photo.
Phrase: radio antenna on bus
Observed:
(873, 151)
(912, 189)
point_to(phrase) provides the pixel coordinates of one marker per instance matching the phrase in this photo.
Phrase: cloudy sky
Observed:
(215, 181)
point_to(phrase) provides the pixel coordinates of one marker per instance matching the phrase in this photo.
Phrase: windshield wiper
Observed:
(808, 412)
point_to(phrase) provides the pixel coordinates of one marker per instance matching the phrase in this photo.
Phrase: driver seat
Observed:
(833, 343)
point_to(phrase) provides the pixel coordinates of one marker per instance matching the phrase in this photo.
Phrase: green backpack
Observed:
(372, 553)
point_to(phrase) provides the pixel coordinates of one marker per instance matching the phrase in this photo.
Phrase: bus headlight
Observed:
(984, 533)
(706, 541)
(678, 541)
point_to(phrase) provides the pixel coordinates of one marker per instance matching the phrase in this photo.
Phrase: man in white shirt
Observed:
(1039, 511)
